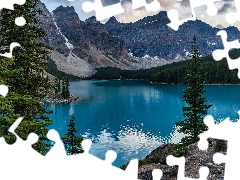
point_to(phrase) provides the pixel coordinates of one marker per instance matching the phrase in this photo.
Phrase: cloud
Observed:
(225, 8)
(131, 15)
(185, 3)
(166, 4)
(201, 16)
(109, 2)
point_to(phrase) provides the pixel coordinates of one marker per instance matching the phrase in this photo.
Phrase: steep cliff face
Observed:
(53, 39)
(79, 47)
(69, 24)
(97, 35)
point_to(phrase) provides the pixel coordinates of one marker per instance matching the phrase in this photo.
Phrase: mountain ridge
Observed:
(79, 47)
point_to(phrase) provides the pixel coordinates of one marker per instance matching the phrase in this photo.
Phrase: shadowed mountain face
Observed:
(70, 26)
(65, 22)
(153, 37)
(53, 39)
(81, 46)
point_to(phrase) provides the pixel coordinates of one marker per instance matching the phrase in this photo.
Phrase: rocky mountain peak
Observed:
(68, 9)
(54, 38)
(92, 19)
(112, 20)
(95, 25)
(70, 26)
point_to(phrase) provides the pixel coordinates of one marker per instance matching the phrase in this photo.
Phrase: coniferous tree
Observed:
(7, 112)
(29, 87)
(196, 106)
(67, 85)
(65, 88)
(71, 142)
(57, 85)
(63, 93)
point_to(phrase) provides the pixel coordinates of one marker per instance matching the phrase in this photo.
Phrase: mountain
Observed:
(79, 47)
(151, 36)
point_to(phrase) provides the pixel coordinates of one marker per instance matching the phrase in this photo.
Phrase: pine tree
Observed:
(71, 141)
(63, 93)
(65, 88)
(196, 106)
(29, 86)
(6, 109)
(57, 85)
(67, 85)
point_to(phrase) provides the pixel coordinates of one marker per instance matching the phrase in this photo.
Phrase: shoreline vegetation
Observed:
(217, 72)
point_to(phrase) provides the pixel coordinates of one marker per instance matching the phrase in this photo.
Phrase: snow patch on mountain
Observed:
(68, 44)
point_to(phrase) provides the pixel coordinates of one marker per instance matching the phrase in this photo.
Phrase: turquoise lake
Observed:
(134, 117)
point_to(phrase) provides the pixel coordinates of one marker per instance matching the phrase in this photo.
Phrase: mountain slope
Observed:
(79, 47)
(151, 36)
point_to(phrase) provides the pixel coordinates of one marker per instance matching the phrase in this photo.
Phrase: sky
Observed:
(130, 15)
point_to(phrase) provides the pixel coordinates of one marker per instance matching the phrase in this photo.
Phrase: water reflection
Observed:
(134, 117)
(130, 143)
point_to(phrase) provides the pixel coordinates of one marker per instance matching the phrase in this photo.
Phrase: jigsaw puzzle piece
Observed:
(157, 174)
(229, 131)
(103, 13)
(224, 53)
(153, 6)
(211, 7)
(3, 90)
(174, 17)
(233, 17)
(9, 4)
(20, 21)
(58, 149)
(12, 46)
(174, 14)
(21, 152)
(103, 169)
(180, 162)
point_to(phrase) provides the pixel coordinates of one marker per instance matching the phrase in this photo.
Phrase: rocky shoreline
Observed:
(195, 158)
(59, 100)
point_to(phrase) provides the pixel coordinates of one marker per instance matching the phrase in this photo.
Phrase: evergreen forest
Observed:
(217, 72)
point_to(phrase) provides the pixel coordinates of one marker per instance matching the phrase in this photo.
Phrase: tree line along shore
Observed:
(217, 72)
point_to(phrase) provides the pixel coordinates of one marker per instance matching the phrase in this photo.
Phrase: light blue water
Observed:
(134, 117)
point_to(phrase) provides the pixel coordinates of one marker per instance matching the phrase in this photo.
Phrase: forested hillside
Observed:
(175, 73)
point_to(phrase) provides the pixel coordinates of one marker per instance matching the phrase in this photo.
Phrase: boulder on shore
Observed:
(194, 158)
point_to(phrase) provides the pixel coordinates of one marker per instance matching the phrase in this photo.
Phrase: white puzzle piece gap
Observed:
(153, 6)
(3, 90)
(57, 165)
(233, 17)
(9, 3)
(173, 14)
(180, 162)
(102, 13)
(224, 53)
(20, 21)
(12, 46)
(229, 131)
(157, 174)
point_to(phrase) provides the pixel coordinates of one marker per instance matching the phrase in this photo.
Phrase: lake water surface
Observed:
(134, 117)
